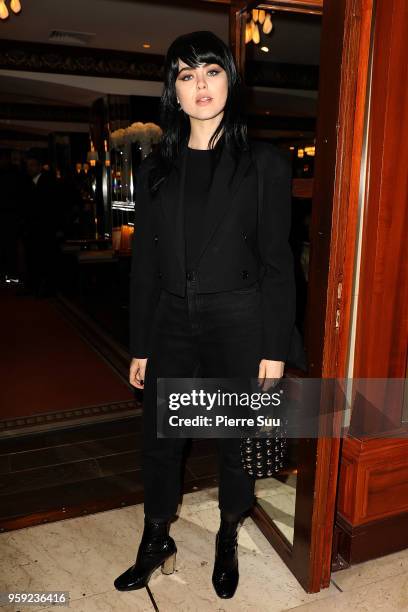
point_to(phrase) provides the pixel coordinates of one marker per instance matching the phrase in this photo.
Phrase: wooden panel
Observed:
(369, 541)
(346, 221)
(387, 490)
(338, 149)
(379, 476)
(383, 293)
(346, 493)
(373, 481)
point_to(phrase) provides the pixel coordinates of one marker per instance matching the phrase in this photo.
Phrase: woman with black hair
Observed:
(212, 289)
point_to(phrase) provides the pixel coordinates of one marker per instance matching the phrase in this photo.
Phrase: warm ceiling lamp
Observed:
(92, 156)
(258, 19)
(14, 5)
(3, 10)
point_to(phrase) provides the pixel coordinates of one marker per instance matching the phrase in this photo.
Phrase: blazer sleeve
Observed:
(278, 288)
(144, 275)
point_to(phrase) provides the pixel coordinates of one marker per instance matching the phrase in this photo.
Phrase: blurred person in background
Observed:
(40, 226)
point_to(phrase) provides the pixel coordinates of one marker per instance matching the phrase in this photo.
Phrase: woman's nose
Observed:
(201, 83)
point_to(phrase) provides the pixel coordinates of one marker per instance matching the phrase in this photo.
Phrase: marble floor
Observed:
(83, 556)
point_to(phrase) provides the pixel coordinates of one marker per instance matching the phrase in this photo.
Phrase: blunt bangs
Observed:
(199, 48)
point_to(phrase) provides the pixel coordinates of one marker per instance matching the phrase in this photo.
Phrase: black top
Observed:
(196, 188)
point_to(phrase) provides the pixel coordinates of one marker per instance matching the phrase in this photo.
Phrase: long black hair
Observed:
(194, 49)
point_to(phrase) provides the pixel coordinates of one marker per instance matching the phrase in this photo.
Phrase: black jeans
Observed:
(213, 335)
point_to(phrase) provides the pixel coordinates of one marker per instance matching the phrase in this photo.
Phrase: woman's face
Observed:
(202, 91)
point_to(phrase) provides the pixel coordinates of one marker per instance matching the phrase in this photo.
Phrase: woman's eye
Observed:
(185, 77)
(213, 72)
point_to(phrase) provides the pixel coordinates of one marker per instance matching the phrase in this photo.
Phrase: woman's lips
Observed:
(204, 101)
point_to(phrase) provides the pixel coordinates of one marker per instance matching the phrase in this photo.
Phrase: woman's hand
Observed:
(137, 372)
(269, 369)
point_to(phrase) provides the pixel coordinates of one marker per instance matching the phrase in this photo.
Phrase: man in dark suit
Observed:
(40, 228)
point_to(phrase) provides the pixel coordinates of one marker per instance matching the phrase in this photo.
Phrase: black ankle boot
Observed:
(156, 548)
(225, 575)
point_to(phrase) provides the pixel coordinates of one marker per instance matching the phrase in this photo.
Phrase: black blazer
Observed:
(234, 254)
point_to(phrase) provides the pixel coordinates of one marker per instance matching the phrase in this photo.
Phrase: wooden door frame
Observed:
(344, 63)
(365, 530)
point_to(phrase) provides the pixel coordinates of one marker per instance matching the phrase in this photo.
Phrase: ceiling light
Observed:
(255, 33)
(265, 49)
(268, 25)
(146, 45)
(92, 156)
(3, 10)
(257, 20)
(248, 33)
(15, 6)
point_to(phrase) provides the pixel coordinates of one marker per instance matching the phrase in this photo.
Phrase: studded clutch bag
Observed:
(262, 457)
(264, 453)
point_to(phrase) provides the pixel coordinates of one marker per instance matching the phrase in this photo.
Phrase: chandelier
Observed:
(14, 5)
(257, 19)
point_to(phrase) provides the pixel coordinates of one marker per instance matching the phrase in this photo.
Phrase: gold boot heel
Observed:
(169, 564)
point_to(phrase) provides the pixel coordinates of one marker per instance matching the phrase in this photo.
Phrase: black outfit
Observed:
(233, 255)
(196, 189)
(198, 308)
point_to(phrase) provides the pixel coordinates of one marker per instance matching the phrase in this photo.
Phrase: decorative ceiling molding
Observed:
(61, 59)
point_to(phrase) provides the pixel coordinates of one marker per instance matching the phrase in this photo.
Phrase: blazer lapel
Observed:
(226, 181)
(171, 202)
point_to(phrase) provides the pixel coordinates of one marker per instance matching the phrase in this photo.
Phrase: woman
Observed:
(211, 292)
